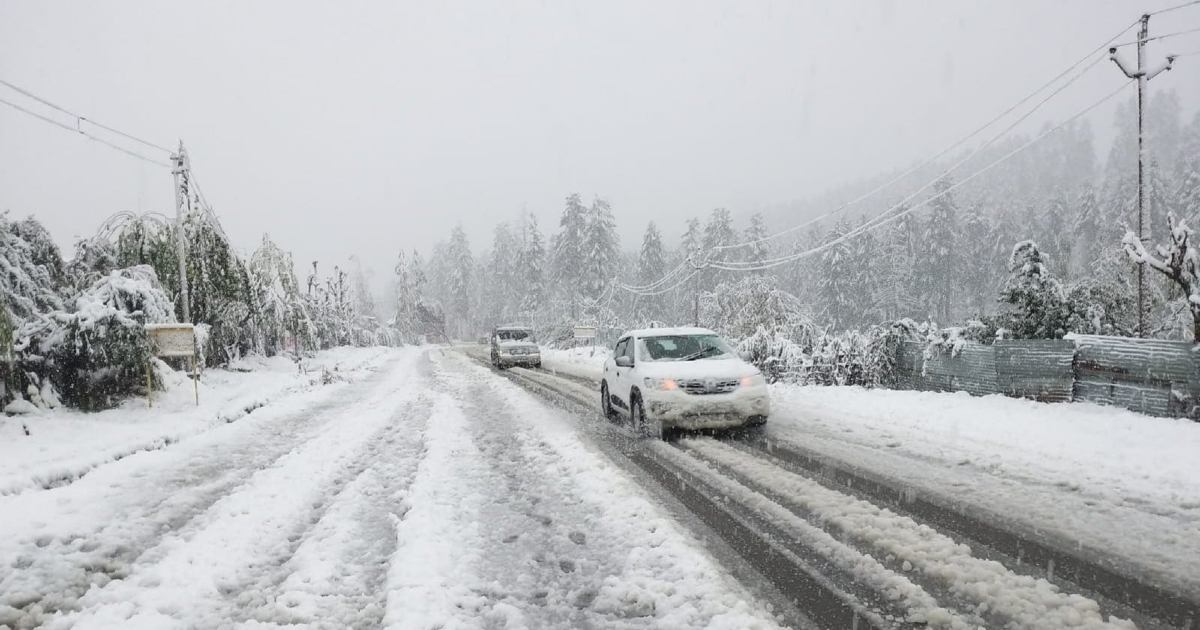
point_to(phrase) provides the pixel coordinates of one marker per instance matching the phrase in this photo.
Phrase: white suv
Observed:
(687, 378)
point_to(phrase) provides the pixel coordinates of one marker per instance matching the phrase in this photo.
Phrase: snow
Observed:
(1103, 478)
(571, 541)
(1020, 600)
(415, 490)
(583, 362)
(64, 444)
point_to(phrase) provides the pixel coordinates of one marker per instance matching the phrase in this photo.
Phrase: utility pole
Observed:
(179, 169)
(1142, 75)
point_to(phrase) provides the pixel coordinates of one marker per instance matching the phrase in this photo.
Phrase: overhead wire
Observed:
(964, 160)
(867, 227)
(84, 133)
(1185, 5)
(1158, 37)
(82, 118)
(941, 154)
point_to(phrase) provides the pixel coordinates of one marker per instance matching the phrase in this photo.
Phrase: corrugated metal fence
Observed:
(1150, 376)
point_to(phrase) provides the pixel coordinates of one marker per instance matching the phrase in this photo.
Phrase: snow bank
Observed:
(63, 444)
(585, 362)
(1103, 477)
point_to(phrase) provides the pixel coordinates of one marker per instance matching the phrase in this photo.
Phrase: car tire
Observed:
(606, 401)
(643, 426)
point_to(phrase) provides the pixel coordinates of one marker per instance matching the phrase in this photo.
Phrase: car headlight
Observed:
(665, 384)
(754, 379)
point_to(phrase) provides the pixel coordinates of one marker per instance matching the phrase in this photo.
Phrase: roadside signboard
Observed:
(173, 340)
(585, 332)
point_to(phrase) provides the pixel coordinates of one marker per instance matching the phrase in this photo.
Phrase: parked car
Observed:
(687, 378)
(515, 345)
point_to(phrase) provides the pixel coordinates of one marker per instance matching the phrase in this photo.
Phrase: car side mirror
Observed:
(745, 356)
(624, 362)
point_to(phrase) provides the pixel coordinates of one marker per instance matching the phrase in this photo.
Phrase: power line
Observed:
(1157, 37)
(1178, 6)
(666, 290)
(969, 156)
(84, 133)
(82, 118)
(867, 227)
(947, 150)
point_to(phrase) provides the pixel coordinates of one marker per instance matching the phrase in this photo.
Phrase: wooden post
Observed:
(149, 388)
(196, 378)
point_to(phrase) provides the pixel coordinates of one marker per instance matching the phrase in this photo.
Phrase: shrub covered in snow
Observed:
(98, 352)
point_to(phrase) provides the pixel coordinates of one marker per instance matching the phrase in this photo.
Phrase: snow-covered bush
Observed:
(98, 352)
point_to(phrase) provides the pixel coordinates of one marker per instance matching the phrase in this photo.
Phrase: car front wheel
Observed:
(644, 426)
(606, 401)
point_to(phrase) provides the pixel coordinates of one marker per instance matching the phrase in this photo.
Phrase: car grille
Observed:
(703, 387)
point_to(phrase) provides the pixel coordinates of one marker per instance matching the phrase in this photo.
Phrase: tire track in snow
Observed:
(88, 533)
(571, 541)
(334, 573)
(184, 579)
(985, 587)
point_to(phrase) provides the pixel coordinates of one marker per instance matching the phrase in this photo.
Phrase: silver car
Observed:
(515, 345)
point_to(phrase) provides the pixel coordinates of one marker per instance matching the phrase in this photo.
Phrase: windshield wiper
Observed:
(701, 354)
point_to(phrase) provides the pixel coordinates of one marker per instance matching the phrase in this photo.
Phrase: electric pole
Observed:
(179, 169)
(1142, 76)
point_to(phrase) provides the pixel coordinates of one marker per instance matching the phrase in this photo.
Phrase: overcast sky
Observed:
(366, 127)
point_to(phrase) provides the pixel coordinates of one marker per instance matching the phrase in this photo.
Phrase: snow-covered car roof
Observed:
(514, 328)
(667, 332)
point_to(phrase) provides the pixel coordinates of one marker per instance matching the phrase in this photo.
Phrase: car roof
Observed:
(667, 332)
(514, 328)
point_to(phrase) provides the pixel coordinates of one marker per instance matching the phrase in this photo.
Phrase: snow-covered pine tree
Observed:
(940, 259)
(894, 275)
(531, 274)
(568, 253)
(718, 232)
(1035, 297)
(461, 283)
(651, 266)
(835, 285)
(1087, 228)
(602, 252)
(978, 289)
(756, 248)
(689, 253)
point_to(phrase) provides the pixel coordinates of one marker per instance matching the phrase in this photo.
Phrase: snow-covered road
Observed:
(431, 494)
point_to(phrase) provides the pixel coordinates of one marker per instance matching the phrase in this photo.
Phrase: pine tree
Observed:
(602, 253)
(567, 253)
(461, 282)
(835, 288)
(940, 259)
(531, 272)
(894, 276)
(977, 288)
(651, 267)
(717, 233)
(689, 254)
(757, 247)
(1054, 230)
(1087, 227)
(1036, 298)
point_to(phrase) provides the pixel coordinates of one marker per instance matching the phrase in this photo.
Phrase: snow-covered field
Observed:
(427, 493)
(1074, 473)
(64, 444)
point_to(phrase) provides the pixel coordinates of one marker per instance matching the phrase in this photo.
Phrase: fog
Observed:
(366, 128)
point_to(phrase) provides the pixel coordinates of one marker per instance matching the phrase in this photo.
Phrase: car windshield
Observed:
(684, 348)
(515, 335)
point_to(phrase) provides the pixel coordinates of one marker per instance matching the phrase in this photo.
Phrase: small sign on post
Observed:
(585, 333)
(174, 340)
